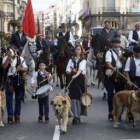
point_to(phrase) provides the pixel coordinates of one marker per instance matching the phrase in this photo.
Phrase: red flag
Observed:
(38, 26)
(52, 37)
(28, 21)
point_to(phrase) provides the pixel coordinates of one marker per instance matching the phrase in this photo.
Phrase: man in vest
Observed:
(132, 67)
(66, 34)
(132, 71)
(134, 36)
(112, 81)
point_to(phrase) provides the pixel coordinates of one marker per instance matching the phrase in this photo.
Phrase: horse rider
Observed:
(66, 34)
(19, 39)
(40, 42)
(124, 42)
(134, 36)
(90, 71)
(108, 32)
(114, 62)
(14, 67)
(49, 41)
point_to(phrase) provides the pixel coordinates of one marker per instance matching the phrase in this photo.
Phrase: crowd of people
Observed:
(14, 68)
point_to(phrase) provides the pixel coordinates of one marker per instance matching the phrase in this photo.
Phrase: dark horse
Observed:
(44, 55)
(62, 59)
(99, 46)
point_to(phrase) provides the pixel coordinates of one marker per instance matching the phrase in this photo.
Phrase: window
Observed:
(110, 5)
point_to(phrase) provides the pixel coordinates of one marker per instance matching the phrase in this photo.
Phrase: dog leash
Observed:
(68, 86)
(126, 79)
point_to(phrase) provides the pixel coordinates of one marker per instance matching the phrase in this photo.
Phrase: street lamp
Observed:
(14, 14)
(99, 15)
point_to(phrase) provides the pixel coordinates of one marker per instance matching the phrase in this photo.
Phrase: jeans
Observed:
(43, 104)
(110, 86)
(9, 99)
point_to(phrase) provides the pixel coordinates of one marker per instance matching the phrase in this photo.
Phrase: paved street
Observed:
(94, 127)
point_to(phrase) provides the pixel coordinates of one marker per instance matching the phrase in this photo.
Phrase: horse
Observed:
(99, 45)
(29, 55)
(62, 59)
(46, 56)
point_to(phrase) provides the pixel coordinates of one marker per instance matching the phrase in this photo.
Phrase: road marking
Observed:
(56, 135)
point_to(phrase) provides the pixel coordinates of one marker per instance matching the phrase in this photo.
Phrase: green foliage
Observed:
(56, 31)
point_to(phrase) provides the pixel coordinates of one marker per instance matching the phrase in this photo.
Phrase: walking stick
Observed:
(126, 78)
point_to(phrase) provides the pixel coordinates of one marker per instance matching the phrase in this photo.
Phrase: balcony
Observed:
(9, 1)
(1, 14)
(133, 10)
(108, 10)
(9, 14)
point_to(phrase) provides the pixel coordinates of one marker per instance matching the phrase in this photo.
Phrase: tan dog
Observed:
(62, 108)
(2, 107)
(131, 100)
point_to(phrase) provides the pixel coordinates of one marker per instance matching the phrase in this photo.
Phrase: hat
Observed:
(136, 49)
(19, 25)
(42, 61)
(39, 35)
(115, 40)
(63, 25)
(137, 23)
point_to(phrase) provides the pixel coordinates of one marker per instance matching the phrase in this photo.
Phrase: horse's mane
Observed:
(45, 55)
(62, 44)
(99, 42)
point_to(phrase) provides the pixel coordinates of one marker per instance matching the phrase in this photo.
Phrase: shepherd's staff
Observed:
(126, 78)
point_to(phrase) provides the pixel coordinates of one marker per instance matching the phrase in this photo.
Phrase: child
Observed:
(39, 76)
(76, 68)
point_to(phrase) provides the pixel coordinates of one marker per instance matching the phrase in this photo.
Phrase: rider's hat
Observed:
(39, 35)
(115, 40)
(63, 25)
(136, 49)
(19, 25)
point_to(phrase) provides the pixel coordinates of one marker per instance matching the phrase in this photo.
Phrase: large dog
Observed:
(2, 107)
(62, 108)
(130, 99)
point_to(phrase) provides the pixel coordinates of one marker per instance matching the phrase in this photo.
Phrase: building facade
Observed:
(50, 20)
(1, 16)
(12, 12)
(123, 14)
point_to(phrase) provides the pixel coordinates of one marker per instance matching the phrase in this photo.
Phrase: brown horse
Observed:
(62, 59)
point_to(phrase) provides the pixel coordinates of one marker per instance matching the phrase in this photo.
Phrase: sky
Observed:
(40, 5)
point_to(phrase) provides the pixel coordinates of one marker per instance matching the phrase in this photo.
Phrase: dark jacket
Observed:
(16, 41)
(49, 43)
(112, 34)
(39, 45)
